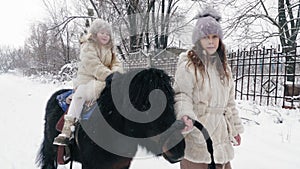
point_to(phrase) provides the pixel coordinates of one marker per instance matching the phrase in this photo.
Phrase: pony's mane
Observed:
(144, 81)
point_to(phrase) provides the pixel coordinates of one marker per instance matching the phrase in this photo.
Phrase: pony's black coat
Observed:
(94, 157)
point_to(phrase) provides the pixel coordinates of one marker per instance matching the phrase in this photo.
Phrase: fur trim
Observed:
(209, 11)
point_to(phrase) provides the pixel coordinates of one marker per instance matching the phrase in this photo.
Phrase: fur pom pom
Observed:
(209, 11)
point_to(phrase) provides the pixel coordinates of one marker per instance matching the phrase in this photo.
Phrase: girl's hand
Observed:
(238, 140)
(188, 123)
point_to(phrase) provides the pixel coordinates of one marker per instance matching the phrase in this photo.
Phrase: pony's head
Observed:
(140, 106)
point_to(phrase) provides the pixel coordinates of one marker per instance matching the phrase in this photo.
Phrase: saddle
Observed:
(64, 100)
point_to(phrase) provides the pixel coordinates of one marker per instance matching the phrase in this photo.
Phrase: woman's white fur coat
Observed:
(210, 101)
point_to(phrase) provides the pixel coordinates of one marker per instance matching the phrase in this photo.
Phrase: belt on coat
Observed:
(223, 111)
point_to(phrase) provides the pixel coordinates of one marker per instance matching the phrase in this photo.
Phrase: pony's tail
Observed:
(40, 158)
(44, 158)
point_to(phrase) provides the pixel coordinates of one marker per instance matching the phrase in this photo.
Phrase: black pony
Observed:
(135, 108)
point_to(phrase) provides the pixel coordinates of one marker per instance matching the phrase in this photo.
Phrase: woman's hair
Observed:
(199, 59)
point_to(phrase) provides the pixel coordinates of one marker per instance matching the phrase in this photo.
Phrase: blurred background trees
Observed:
(150, 25)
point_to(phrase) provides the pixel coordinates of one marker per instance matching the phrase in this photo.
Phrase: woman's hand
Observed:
(188, 123)
(238, 140)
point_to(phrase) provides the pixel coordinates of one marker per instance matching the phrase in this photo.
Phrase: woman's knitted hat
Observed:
(207, 23)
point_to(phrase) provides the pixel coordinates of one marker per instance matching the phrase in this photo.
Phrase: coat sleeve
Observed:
(117, 66)
(183, 87)
(92, 63)
(232, 114)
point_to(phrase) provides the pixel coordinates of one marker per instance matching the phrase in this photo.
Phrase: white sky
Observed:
(16, 17)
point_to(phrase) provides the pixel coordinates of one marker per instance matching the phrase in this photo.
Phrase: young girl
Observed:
(97, 61)
(204, 91)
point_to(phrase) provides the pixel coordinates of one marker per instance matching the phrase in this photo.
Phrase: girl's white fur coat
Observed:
(94, 67)
(209, 100)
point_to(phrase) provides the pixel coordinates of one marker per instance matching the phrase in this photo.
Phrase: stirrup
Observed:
(61, 140)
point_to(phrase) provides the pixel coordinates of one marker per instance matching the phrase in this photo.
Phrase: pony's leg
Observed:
(126, 167)
(84, 166)
(123, 163)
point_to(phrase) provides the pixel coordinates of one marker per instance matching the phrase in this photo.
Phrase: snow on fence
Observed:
(260, 74)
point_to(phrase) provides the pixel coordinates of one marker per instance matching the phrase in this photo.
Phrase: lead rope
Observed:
(71, 164)
(208, 142)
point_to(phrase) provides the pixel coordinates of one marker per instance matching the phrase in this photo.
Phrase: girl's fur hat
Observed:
(207, 23)
(98, 25)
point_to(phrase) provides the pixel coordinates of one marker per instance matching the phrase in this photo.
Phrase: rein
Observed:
(177, 125)
(208, 140)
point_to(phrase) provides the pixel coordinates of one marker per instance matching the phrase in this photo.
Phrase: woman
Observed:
(97, 61)
(204, 91)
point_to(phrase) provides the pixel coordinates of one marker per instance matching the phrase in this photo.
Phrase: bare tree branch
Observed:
(95, 8)
(66, 22)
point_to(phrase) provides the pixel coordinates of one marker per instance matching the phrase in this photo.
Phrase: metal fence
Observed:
(260, 74)
(163, 59)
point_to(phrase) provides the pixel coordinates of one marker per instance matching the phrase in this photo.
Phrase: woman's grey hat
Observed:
(207, 23)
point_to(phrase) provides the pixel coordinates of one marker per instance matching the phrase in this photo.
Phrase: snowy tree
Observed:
(139, 23)
(46, 51)
(65, 37)
(259, 21)
(12, 58)
(5, 60)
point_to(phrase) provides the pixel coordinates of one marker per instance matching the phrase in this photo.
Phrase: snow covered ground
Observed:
(266, 143)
